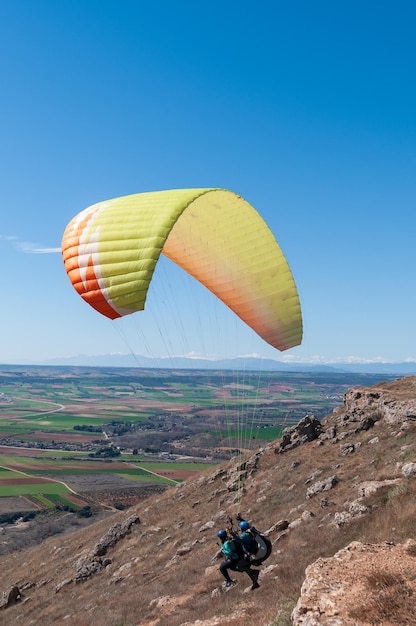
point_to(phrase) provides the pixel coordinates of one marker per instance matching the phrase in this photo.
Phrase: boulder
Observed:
(63, 583)
(369, 487)
(347, 448)
(409, 470)
(308, 429)
(10, 597)
(322, 485)
(278, 527)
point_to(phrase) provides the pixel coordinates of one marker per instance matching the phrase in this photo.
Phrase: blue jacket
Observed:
(232, 550)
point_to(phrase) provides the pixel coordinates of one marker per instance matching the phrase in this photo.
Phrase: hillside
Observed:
(349, 478)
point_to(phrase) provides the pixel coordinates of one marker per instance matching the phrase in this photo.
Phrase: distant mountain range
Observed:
(239, 363)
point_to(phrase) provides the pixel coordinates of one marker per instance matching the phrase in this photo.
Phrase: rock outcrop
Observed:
(308, 429)
(370, 405)
(362, 584)
(88, 565)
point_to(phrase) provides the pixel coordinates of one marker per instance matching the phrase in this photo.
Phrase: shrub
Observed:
(85, 511)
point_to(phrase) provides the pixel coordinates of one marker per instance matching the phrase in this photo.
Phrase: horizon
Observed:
(233, 364)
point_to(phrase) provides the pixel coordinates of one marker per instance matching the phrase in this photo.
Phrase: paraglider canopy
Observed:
(110, 251)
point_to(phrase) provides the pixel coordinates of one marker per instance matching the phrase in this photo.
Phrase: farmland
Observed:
(85, 439)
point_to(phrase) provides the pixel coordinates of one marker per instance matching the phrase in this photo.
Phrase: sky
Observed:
(306, 109)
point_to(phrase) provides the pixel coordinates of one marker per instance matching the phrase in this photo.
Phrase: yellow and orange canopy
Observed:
(110, 251)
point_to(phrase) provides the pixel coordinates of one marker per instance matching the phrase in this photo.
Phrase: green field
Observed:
(32, 489)
(6, 474)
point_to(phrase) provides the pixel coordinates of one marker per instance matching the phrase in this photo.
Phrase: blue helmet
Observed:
(222, 534)
(244, 525)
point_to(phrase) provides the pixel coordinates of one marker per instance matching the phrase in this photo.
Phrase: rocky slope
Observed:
(336, 497)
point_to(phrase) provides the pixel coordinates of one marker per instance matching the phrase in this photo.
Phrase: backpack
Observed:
(264, 549)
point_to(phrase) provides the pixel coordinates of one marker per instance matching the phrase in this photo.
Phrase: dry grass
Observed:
(389, 600)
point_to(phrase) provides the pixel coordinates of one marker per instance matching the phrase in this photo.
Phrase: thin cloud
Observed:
(31, 248)
(350, 360)
(27, 247)
(195, 355)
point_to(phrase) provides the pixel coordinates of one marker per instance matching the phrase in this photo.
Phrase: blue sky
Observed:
(305, 109)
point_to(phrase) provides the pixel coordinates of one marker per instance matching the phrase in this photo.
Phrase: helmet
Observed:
(222, 534)
(244, 525)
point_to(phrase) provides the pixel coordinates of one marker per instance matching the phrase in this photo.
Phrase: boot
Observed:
(254, 575)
